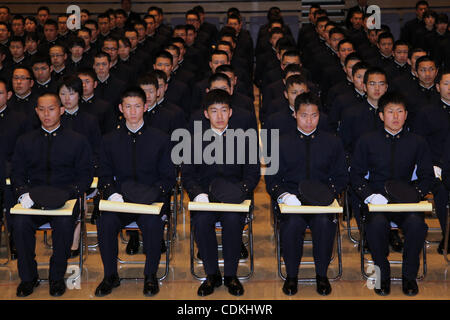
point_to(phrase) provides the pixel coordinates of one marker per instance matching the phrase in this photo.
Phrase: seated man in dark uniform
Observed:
(66, 165)
(320, 157)
(135, 156)
(205, 182)
(391, 154)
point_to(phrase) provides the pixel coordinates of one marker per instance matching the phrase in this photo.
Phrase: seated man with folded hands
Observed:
(220, 180)
(50, 165)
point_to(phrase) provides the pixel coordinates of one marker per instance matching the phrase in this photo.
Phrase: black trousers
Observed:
(204, 224)
(109, 225)
(414, 229)
(292, 234)
(24, 233)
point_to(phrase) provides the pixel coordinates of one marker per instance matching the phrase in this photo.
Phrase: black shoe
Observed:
(395, 241)
(211, 282)
(234, 286)
(409, 287)
(290, 286)
(108, 283)
(57, 287)
(244, 252)
(151, 285)
(163, 246)
(323, 285)
(133, 243)
(74, 253)
(26, 288)
(385, 288)
(440, 248)
(12, 249)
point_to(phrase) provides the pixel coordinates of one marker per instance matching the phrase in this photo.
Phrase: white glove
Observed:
(26, 201)
(116, 197)
(437, 172)
(202, 197)
(376, 198)
(291, 200)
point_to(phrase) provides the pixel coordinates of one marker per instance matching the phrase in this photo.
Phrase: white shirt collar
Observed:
(88, 98)
(72, 112)
(20, 60)
(447, 104)
(24, 97)
(52, 130)
(60, 70)
(392, 134)
(218, 132)
(134, 131)
(375, 107)
(102, 81)
(426, 87)
(361, 93)
(160, 101)
(151, 107)
(306, 134)
(44, 83)
(3, 109)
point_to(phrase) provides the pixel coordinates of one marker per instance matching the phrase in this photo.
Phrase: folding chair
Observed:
(447, 232)
(422, 206)
(155, 209)
(246, 206)
(66, 210)
(334, 208)
(348, 219)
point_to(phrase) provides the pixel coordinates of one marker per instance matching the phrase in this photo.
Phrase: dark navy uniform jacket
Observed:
(143, 156)
(319, 156)
(62, 159)
(387, 157)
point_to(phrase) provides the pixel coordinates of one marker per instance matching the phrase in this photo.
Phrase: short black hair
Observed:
(218, 76)
(134, 91)
(422, 3)
(337, 30)
(102, 54)
(218, 52)
(147, 79)
(226, 68)
(292, 68)
(159, 74)
(32, 36)
(415, 50)
(442, 74)
(6, 83)
(40, 58)
(164, 54)
(24, 68)
(307, 98)
(391, 97)
(359, 66)
(344, 41)
(17, 39)
(352, 57)
(125, 41)
(51, 22)
(43, 8)
(424, 59)
(51, 94)
(86, 71)
(373, 70)
(216, 96)
(71, 82)
(295, 79)
(385, 35)
(400, 43)
(85, 29)
(93, 22)
(77, 42)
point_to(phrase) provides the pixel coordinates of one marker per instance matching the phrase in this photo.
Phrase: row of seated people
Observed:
(388, 153)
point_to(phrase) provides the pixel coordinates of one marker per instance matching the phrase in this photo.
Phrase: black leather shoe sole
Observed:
(58, 288)
(151, 290)
(104, 289)
(25, 289)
